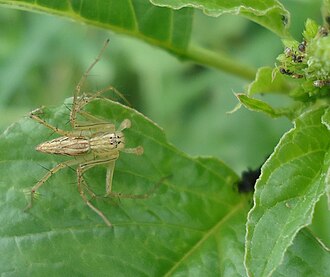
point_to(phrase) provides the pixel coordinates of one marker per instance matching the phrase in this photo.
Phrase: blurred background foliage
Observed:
(42, 58)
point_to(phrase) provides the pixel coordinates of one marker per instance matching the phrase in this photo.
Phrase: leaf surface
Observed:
(261, 106)
(306, 257)
(192, 225)
(291, 183)
(138, 18)
(163, 27)
(265, 83)
(268, 13)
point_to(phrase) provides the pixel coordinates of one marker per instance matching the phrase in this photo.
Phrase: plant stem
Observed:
(220, 61)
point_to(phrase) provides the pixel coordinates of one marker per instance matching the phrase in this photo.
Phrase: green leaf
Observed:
(311, 29)
(306, 257)
(261, 106)
(326, 121)
(165, 28)
(326, 118)
(194, 221)
(266, 82)
(291, 183)
(268, 13)
(138, 18)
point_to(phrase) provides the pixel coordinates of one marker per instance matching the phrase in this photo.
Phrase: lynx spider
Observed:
(91, 143)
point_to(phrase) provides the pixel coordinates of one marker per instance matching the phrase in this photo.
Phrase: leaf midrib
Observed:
(206, 236)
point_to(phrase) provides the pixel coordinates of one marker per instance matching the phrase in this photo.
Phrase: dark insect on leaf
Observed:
(285, 71)
(248, 180)
(323, 32)
(302, 46)
(327, 19)
(284, 19)
(321, 83)
(297, 76)
(297, 58)
(288, 52)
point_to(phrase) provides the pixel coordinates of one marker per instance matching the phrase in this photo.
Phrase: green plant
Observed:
(195, 223)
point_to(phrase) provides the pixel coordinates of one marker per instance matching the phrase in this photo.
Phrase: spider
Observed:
(91, 143)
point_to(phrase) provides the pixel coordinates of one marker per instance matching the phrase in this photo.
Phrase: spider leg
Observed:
(110, 169)
(81, 82)
(46, 177)
(136, 150)
(81, 181)
(109, 177)
(35, 116)
(80, 100)
(85, 99)
(138, 196)
(94, 122)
